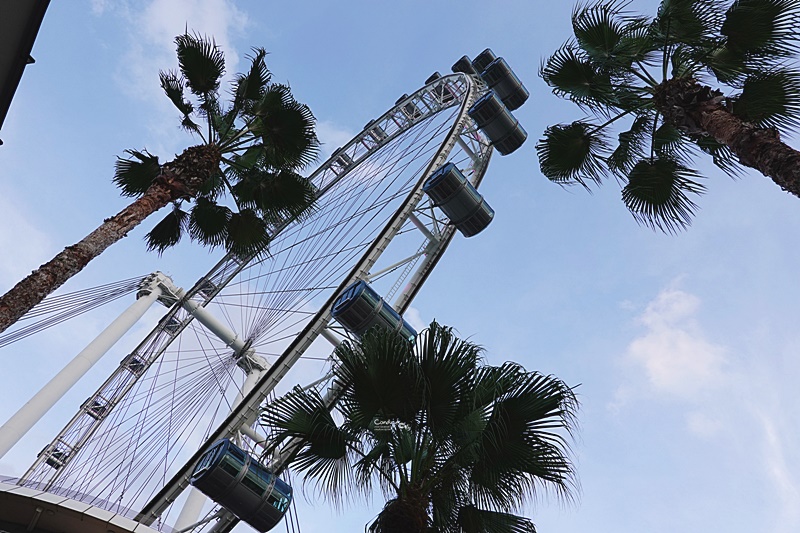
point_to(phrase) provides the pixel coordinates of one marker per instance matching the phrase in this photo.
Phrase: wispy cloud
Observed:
(777, 469)
(734, 405)
(151, 47)
(674, 352)
(414, 318)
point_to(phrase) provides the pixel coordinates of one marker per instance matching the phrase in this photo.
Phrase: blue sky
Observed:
(685, 347)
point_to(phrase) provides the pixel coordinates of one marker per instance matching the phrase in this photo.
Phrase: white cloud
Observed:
(153, 29)
(675, 355)
(413, 317)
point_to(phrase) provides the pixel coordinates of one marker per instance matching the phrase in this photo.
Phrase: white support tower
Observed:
(29, 414)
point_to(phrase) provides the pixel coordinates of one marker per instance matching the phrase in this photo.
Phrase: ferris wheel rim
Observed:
(150, 512)
(470, 92)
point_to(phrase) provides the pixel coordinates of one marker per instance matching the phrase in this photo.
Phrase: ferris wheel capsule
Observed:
(359, 308)
(483, 59)
(452, 192)
(464, 65)
(500, 78)
(235, 480)
(497, 122)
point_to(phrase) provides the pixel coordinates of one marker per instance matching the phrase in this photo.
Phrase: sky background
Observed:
(685, 347)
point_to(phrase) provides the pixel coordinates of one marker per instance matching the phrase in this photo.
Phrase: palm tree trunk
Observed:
(180, 178)
(700, 110)
(405, 514)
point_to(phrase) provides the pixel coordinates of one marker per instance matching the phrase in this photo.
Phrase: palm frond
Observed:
(168, 232)
(686, 62)
(286, 129)
(213, 186)
(202, 63)
(222, 123)
(611, 38)
(657, 194)
(324, 455)
(726, 65)
(471, 519)
(632, 145)
(670, 143)
(638, 43)
(762, 28)
(278, 196)
(572, 154)
(208, 222)
(524, 444)
(722, 156)
(173, 86)
(771, 99)
(190, 125)
(248, 88)
(448, 366)
(576, 78)
(134, 176)
(383, 376)
(247, 234)
(692, 22)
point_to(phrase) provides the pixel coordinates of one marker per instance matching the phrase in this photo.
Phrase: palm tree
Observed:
(653, 72)
(250, 148)
(455, 445)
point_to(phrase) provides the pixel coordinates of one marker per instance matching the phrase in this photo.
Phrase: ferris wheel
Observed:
(253, 327)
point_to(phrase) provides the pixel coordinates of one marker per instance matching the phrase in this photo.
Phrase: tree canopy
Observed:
(263, 137)
(455, 444)
(647, 76)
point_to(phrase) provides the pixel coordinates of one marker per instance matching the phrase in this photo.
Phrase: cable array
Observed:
(185, 394)
(55, 309)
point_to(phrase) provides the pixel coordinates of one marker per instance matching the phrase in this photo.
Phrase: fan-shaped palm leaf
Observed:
(519, 447)
(278, 196)
(657, 194)
(249, 87)
(577, 79)
(632, 145)
(383, 377)
(325, 454)
(474, 520)
(173, 86)
(610, 39)
(572, 153)
(692, 22)
(670, 143)
(286, 129)
(168, 232)
(202, 64)
(208, 222)
(247, 234)
(448, 368)
(135, 176)
(762, 28)
(771, 99)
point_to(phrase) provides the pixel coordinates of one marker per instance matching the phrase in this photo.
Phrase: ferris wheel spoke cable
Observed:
(341, 220)
(59, 308)
(152, 444)
(271, 298)
(212, 386)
